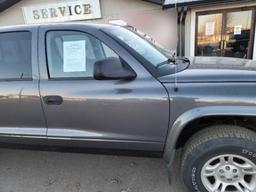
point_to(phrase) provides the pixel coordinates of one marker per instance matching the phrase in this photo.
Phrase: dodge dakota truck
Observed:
(103, 87)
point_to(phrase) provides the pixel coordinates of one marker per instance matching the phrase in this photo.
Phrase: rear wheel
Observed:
(220, 159)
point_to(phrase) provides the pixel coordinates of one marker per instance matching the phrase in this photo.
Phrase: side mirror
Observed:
(113, 69)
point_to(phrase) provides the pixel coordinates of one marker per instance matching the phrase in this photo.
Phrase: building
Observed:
(215, 28)
(146, 16)
(191, 27)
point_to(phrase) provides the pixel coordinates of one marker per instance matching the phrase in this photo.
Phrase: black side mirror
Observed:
(113, 68)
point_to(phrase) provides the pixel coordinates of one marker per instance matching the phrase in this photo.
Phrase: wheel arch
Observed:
(185, 120)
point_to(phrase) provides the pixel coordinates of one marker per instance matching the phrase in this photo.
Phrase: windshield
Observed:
(141, 46)
(149, 39)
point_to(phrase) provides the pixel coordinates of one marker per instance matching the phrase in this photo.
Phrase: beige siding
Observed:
(147, 17)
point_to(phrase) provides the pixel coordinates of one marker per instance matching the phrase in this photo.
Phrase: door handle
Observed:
(53, 100)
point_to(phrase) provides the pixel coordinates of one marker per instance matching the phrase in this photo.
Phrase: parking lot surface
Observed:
(42, 171)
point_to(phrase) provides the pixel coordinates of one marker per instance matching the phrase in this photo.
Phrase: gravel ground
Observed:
(40, 171)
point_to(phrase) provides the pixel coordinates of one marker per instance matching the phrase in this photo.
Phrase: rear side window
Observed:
(72, 54)
(15, 56)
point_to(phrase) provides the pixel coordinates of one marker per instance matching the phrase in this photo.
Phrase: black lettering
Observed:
(76, 9)
(87, 8)
(53, 12)
(62, 10)
(36, 14)
(44, 13)
(70, 10)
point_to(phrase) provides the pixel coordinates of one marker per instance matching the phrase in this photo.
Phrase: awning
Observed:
(180, 2)
(191, 3)
(159, 2)
(5, 4)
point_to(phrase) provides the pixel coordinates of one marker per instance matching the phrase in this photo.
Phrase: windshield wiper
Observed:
(182, 59)
(174, 60)
(168, 61)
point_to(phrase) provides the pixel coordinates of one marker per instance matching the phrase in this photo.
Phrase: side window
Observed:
(15, 56)
(72, 54)
(108, 52)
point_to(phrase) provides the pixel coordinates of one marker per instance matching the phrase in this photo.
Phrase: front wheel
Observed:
(220, 159)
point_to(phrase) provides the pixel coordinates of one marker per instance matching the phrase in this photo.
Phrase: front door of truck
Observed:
(102, 113)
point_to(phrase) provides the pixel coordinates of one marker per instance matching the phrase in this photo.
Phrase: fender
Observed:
(196, 113)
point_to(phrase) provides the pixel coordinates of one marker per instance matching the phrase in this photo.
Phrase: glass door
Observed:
(209, 35)
(228, 33)
(238, 34)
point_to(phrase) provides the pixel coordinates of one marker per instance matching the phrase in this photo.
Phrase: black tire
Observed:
(212, 142)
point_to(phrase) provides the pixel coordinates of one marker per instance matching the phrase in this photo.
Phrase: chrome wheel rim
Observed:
(226, 173)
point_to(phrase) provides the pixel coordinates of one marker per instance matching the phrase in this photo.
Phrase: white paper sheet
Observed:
(209, 28)
(237, 29)
(74, 56)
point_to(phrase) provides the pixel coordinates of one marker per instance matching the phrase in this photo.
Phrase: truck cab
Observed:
(104, 87)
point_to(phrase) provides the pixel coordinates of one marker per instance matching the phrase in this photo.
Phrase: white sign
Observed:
(74, 56)
(209, 28)
(68, 10)
(237, 29)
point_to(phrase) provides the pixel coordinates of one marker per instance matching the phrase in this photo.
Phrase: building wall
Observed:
(191, 25)
(147, 17)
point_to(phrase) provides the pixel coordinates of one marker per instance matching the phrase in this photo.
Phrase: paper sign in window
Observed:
(209, 28)
(237, 29)
(74, 56)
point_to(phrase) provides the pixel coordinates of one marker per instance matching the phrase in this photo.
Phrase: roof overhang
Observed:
(196, 3)
(5, 4)
(159, 2)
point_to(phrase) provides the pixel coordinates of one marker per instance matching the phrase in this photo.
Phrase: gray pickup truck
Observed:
(103, 87)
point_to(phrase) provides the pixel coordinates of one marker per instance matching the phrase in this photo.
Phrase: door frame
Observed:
(224, 12)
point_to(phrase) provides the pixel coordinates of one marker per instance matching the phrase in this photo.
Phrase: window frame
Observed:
(224, 12)
(47, 57)
(31, 56)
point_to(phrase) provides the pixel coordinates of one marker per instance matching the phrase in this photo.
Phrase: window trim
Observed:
(47, 61)
(31, 59)
(224, 12)
(16, 79)
(69, 78)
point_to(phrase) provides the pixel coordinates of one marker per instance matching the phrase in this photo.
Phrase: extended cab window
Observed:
(15, 56)
(72, 54)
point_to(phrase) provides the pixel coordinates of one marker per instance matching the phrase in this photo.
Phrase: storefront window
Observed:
(209, 35)
(225, 33)
(238, 29)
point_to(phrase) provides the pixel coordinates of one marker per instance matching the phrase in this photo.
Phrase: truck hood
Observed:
(215, 69)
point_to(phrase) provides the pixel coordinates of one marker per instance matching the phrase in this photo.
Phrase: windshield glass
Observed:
(149, 39)
(141, 46)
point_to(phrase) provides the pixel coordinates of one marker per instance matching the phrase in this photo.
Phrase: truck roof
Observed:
(30, 26)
